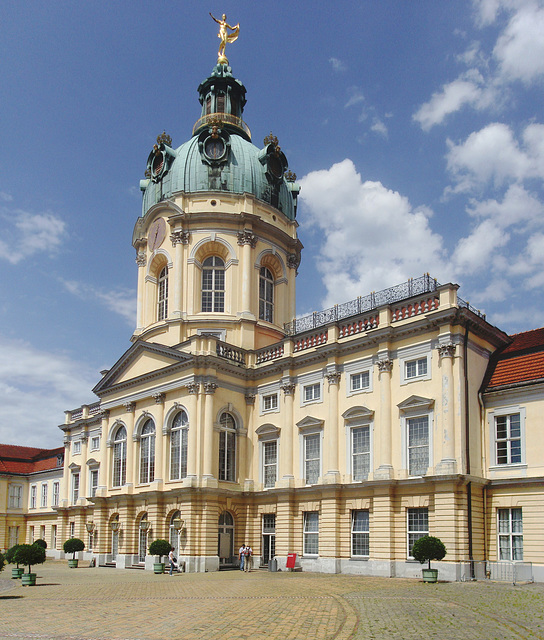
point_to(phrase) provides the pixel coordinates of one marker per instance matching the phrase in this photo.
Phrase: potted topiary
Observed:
(16, 572)
(159, 548)
(73, 545)
(29, 554)
(426, 549)
(41, 543)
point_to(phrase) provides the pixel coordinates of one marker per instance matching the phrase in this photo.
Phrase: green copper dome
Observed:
(220, 155)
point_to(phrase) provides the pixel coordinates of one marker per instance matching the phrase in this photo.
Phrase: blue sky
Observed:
(415, 129)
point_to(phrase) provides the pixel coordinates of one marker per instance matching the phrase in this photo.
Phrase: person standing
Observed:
(248, 560)
(241, 556)
(172, 560)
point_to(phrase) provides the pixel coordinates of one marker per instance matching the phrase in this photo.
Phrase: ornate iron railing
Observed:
(363, 304)
(227, 118)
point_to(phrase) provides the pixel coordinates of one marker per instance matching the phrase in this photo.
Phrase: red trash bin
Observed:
(291, 558)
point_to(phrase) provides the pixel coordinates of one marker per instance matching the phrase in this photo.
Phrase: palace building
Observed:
(342, 436)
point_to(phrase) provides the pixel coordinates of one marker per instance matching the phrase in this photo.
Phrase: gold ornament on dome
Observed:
(225, 37)
(164, 138)
(290, 176)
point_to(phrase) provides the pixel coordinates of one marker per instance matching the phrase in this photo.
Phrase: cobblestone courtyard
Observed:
(99, 604)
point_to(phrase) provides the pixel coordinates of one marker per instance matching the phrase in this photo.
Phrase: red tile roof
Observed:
(521, 362)
(18, 460)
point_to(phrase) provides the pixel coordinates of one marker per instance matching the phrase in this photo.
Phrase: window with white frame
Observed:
(416, 368)
(508, 439)
(266, 295)
(312, 457)
(53, 536)
(147, 452)
(43, 498)
(510, 533)
(227, 448)
(359, 381)
(417, 431)
(72, 529)
(15, 496)
(270, 463)
(269, 402)
(417, 526)
(56, 494)
(93, 482)
(76, 447)
(33, 496)
(311, 533)
(162, 294)
(178, 446)
(213, 285)
(311, 392)
(31, 535)
(42, 532)
(360, 452)
(415, 363)
(360, 533)
(75, 487)
(95, 443)
(120, 457)
(13, 536)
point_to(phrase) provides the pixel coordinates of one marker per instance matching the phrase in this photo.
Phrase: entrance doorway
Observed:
(269, 537)
(225, 540)
(142, 542)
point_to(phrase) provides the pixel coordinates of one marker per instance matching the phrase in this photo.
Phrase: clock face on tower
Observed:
(157, 233)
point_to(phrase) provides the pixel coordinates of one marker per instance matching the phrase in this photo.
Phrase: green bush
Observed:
(428, 548)
(10, 555)
(73, 545)
(159, 548)
(29, 554)
(2, 561)
(41, 543)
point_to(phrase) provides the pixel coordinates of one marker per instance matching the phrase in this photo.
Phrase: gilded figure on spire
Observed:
(225, 37)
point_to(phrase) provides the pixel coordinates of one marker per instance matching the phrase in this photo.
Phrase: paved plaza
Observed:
(99, 604)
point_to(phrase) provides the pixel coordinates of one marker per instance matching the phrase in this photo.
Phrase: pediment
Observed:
(357, 413)
(416, 402)
(309, 422)
(268, 429)
(143, 359)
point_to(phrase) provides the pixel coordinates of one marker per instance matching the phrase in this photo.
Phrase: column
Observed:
(209, 390)
(178, 238)
(141, 261)
(287, 449)
(194, 424)
(248, 458)
(293, 262)
(160, 440)
(84, 472)
(385, 470)
(104, 473)
(247, 240)
(132, 453)
(330, 443)
(448, 463)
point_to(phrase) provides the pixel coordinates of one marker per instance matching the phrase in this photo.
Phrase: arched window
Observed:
(162, 295)
(173, 532)
(120, 457)
(178, 446)
(213, 284)
(266, 295)
(147, 452)
(227, 448)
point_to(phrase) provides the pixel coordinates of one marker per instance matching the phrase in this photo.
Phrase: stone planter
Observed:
(28, 579)
(17, 573)
(158, 567)
(73, 563)
(430, 575)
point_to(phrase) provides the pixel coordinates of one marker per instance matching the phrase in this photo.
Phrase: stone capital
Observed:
(385, 365)
(446, 350)
(247, 237)
(180, 237)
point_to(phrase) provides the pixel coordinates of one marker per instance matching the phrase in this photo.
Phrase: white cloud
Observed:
(121, 301)
(518, 208)
(36, 387)
(373, 238)
(378, 126)
(337, 65)
(477, 250)
(26, 234)
(5, 197)
(356, 97)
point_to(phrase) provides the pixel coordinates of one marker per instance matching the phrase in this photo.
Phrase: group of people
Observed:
(245, 554)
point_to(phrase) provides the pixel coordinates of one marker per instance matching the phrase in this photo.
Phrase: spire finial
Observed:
(225, 37)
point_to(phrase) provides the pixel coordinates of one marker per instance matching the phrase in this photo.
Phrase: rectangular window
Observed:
(75, 487)
(53, 536)
(56, 492)
(227, 455)
(270, 463)
(13, 536)
(33, 496)
(15, 496)
(31, 535)
(76, 447)
(415, 368)
(417, 526)
(360, 533)
(72, 529)
(43, 501)
(508, 439)
(95, 443)
(311, 533)
(418, 445)
(360, 453)
(312, 457)
(360, 381)
(42, 532)
(270, 402)
(93, 485)
(312, 392)
(510, 528)
(178, 454)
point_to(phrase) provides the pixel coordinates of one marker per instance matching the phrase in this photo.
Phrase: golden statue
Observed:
(225, 37)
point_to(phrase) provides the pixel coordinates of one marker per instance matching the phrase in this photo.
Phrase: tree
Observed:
(73, 545)
(159, 548)
(11, 555)
(428, 548)
(41, 543)
(2, 561)
(29, 554)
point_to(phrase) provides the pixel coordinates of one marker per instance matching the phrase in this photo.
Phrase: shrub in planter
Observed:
(426, 549)
(73, 545)
(2, 561)
(159, 548)
(10, 557)
(41, 543)
(29, 554)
